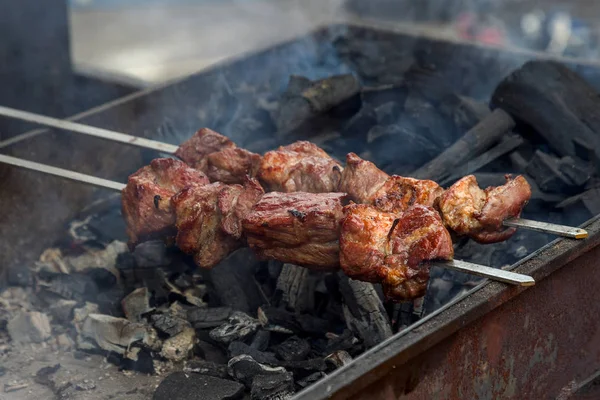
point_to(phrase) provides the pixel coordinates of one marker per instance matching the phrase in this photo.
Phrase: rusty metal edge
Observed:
(429, 331)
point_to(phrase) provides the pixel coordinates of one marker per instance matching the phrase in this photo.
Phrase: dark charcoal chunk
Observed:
(203, 318)
(244, 368)
(19, 276)
(168, 324)
(272, 387)
(239, 326)
(338, 359)
(297, 84)
(545, 169)
(346, 341)
(421, 116)
(310, 379)
(293, 349)
(143, 364)
(379, 95)
(388, 113)
(590, 199)
(294, 285)
(360, 123)
(76, 286)
(239, 348)
(314, 325)
(42, 376)
(209, 352)
(108, 226)
(207, 368)
(151, 254)
(272, 316)
(464, 111)
(261, 340)
(180, 386)
(62, 310)
(576, 170)
(302, 369)
(233, 282)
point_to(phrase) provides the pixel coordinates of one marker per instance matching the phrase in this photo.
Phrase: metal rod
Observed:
(487, 272)
(88, 130)
(63, 173)
(546, 227)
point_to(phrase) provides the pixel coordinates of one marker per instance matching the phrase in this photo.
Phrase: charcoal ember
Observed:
(272, 387)
(234, 284)
(136, 303)
(295, 287)
(210, 352)
(416, 149)
(151, 254)
(239, 326)
(19, 276)
(244, 368)
(338, 359)
(545, 169)
(576, 170)
(304, 368)
(168, 323)
(207, 368)
(310, 379)
(239, 348)
(293, 349)
(29, 327)
(62, 310)
(178, 347)
(203, 318)
(181, 386)
(261, 340)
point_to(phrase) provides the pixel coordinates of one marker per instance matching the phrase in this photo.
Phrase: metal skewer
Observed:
(474, 269)
(559, 230)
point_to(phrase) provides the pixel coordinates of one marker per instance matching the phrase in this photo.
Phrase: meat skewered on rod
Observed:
(225, 157)
(402, 242)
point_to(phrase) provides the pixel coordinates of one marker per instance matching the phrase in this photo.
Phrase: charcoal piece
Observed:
(590, 199)
(576, 170)
(181, 386)
(272, 387)
(112, 334)
(108, 226)
(310, 379)
(388, 113)
(203, 318)
(297, 84)
(76, 286)
(178, 347)
(29, 327)
(239, 326)
(410, 148)
(136, 303)
(304, 368)
(293, 349)
(151, 254)
(244, 368)
(293, 282)
(277, 317)
(42, 376)
(293, 112)
(207, 368)
(518, 160)
(360, 123)
(364, 312)
(136, 359)
(346, 341)
(421, 116)
(103, 278)
(19, 276)
(239, 348)
(585, 151)
(314, 325)
(168, 324)
(529, 94)
(183, 281)
(209, 352)
(465, 112)
(62, 310)
(338, 359)
(375, 96)
(545, 169)
(261, 340)
(234, 284)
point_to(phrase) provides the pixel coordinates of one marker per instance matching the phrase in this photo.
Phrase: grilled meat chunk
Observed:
(393, 248)
(479, 214)
(209, 219)
(361, 179)
(300, 167)
(299, 228)
(146, 200)
(218, 157)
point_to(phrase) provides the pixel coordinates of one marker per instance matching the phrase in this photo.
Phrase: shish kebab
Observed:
(515, 222)
(314, 230)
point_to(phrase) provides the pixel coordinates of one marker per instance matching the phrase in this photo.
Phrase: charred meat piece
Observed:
(361, 179)
(393, 249)
(209, 219)
(398, 193)
(300, 167)
(146, 200)
(299, 228)
(479, 214)
(218, 157)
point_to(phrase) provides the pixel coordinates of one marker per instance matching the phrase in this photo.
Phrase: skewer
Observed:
(462, 266)
(546, 227)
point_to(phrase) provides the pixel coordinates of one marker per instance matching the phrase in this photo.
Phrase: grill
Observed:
(480, 340)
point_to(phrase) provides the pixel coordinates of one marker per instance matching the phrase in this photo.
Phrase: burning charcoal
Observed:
(233, 282)
(364, 312)
(29, 327)
(178, 347)
(293, 282)
(244, 368)
(338, 359)
(203, 318)
(576, 170)
(239, 326)
(304, 368)
(62, 310)
(113, 334)
(261, 340)
(293, 349)
(168, 323)
(180, 386)
(415, 150)
(136, 303)
(310, 379)
(206, 368)
(239, 348)
(19, 276)
(545, 169)
(272, 387)
(151, 254)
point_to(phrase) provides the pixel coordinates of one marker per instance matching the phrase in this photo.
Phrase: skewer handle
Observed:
(487, 272)
(546, 227)
(63, 173)
(88, 130)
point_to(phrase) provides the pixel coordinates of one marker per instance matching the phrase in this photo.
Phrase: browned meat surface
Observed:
(195, 150)
(361, 179)
(299, 228)
(232, 165)
(393, 249)
(399, 193)
(209, 219)
(146, 200)
(479, 214)
(300, 167)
